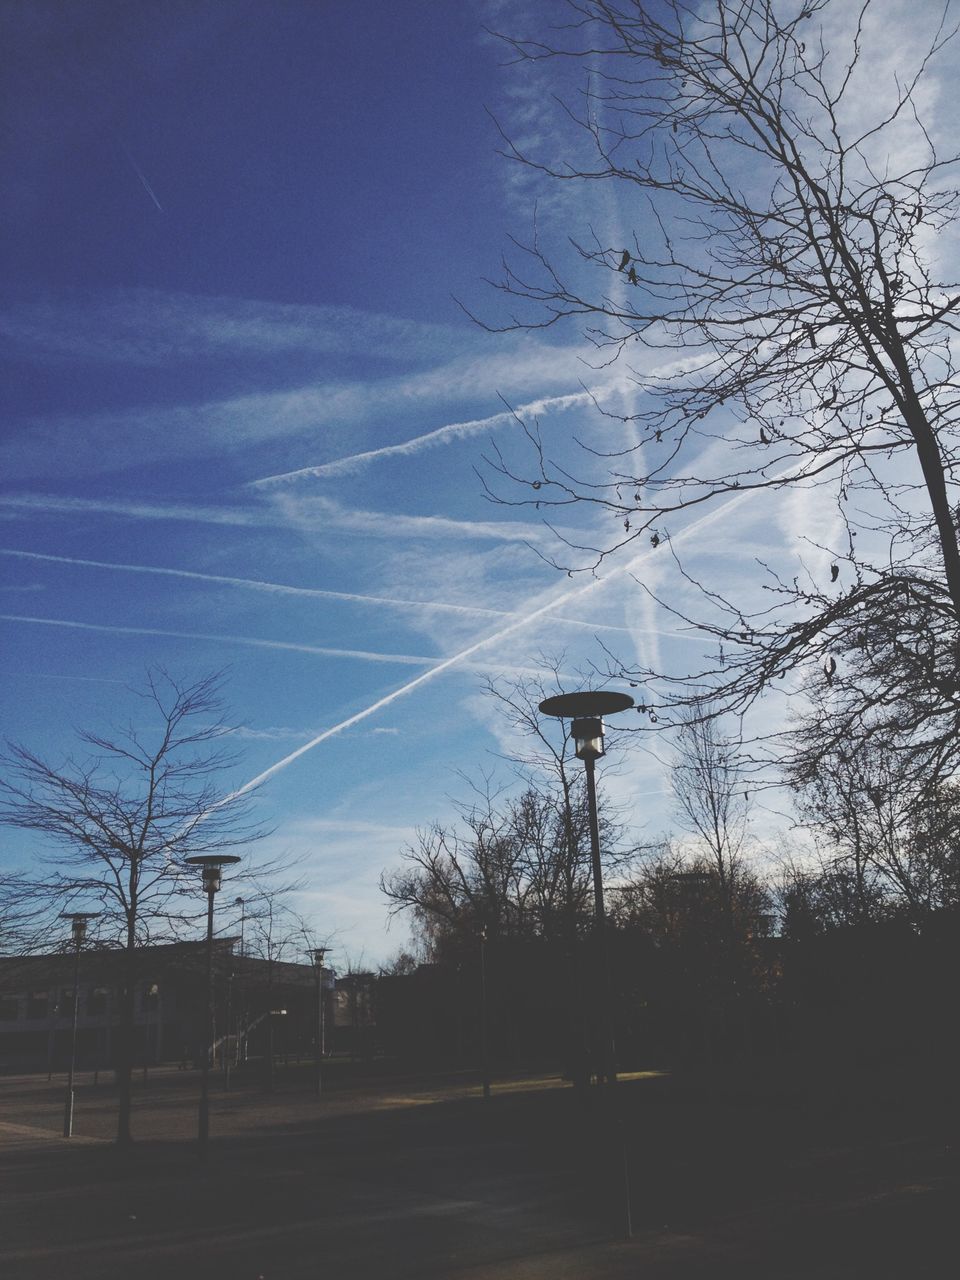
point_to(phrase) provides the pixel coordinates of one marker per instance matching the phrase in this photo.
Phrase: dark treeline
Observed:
(835, 967)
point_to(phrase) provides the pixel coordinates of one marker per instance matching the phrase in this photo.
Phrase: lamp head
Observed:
(586, 710)
(211, 866)
(78, 923)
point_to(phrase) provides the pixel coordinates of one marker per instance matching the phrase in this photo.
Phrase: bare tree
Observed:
(711, 796)
(118, 822)
(889, 845)
(518, 867)
(790, 207)
(457, 881)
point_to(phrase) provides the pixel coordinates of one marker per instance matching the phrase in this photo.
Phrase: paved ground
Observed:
(398, 1177)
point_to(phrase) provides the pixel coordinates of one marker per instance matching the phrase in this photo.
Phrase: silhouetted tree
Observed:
(117, 824)
(888, 843)
(791, 205)
(520, 866)
(712, 799)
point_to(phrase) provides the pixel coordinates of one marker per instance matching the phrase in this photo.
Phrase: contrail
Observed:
(457, 658)
(255, 584)
(362, 655)
(137, 510)
(452, 431)
(139, 172)
(280, 588)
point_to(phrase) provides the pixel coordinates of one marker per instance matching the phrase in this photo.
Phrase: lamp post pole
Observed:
(78, 926)
(318, 957)
(211, 866)
(609, 1049)
(241, 992)
(225, 1055)
(586, 710)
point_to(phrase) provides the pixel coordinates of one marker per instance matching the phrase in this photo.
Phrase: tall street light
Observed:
(586, 710)
(318, 957)
(211, 866)
(78, 927)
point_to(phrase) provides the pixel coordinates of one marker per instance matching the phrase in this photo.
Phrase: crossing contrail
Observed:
(573, 594)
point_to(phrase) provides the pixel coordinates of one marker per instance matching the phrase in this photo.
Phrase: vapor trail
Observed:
(362, 655)
(447, 663)
(136, 510)
(139, 172)
(281, 588)
(452, 431)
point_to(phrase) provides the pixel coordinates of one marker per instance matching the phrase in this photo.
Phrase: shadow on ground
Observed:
(386, 1182)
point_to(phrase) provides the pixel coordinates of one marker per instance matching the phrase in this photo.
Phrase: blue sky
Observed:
(244, 412)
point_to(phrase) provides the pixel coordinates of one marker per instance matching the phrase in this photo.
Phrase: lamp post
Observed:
(318, 957)
(586, 711)
(78, 927)
(211, 866)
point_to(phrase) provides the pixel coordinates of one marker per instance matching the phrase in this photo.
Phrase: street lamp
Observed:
(211, 866)
(587, 710)
(318, 957)
(78, 927)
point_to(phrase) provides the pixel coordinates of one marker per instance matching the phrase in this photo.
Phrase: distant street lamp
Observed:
(586, 711)
(78, 927)
(318, 957)
(211, 866)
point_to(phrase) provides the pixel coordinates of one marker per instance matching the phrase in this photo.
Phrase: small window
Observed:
(65, 1007)
(9, 1008)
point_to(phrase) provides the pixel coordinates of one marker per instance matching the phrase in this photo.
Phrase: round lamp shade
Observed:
(598, 702)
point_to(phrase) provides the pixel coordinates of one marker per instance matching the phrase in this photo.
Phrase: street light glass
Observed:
(588, 738)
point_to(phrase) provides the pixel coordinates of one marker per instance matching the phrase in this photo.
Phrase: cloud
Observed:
(441, 365)
(152, 328)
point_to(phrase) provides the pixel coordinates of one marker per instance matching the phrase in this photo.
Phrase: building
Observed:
(255, 1001)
